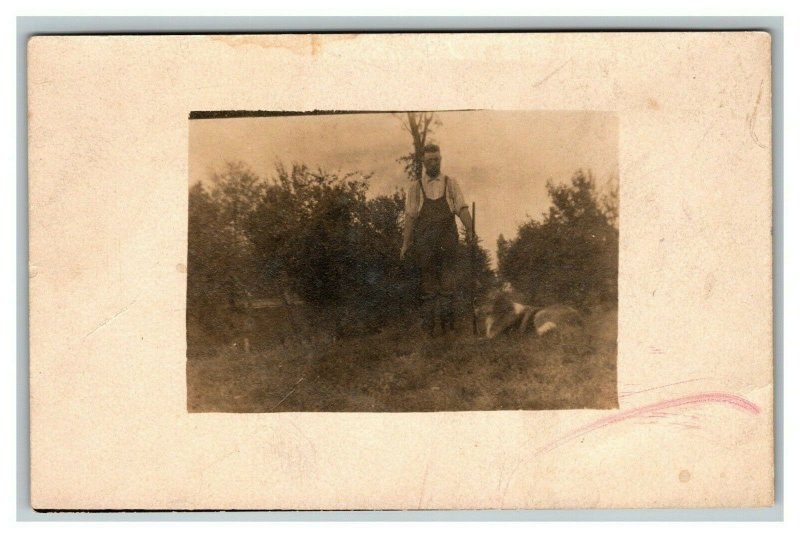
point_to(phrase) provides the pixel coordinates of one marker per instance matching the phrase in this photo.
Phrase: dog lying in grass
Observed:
(504, 315)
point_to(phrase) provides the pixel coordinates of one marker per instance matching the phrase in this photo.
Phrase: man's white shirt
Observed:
(434, 189)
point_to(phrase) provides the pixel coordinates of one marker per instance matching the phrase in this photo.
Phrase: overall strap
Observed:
(421, 188)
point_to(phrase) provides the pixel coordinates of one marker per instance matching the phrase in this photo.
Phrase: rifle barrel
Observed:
(472, 275)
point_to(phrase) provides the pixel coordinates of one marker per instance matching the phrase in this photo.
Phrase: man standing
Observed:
(431, 236)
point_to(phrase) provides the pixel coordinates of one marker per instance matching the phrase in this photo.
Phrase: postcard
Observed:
(401, 271)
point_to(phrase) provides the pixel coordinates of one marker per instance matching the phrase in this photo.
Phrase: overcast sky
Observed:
(502, 159)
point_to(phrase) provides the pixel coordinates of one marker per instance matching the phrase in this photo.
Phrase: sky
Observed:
(502, 159)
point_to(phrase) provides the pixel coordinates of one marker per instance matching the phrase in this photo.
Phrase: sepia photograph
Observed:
(402, 261)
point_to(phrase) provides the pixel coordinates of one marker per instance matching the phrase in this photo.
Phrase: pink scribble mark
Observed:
(651, 411)
(656, 410)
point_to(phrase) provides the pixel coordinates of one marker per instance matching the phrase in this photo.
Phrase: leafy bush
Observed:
(571, 254)
(308, 234)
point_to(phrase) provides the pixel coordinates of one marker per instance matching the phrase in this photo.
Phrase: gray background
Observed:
(30, 26)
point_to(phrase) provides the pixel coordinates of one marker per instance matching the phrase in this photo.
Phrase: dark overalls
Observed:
(436, 245)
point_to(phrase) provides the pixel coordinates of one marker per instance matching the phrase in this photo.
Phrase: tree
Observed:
(220, 270)
(317, 234)
(419, 125)
(610, 202)
(571, 254)
(502, 249)
(485, 278)
(302, 233)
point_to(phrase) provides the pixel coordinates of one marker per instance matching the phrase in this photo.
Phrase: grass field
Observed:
(402, 370)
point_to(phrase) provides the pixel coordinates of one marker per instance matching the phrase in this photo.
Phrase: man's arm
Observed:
(457, 200)
(466, 220)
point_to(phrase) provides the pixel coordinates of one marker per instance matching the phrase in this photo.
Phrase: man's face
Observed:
(433, 162)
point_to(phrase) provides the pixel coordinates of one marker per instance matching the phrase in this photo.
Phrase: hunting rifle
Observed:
(472, 245)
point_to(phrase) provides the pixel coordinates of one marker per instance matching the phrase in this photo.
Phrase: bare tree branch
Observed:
(418, 124)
